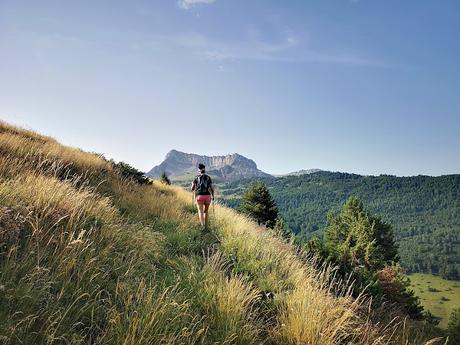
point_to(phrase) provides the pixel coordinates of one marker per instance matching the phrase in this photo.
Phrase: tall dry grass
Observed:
(88, 257)
(65, 250)
(32, 147)
(230, 302)
(150, 315)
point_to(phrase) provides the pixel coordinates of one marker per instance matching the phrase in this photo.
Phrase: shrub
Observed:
(396, 288)
(131, 173)
(281, 229)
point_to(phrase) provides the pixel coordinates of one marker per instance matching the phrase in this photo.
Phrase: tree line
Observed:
(424, 211)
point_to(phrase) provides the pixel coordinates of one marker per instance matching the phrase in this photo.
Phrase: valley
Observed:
(437, 295)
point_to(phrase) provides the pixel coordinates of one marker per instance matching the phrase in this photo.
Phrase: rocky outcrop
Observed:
(229, 167)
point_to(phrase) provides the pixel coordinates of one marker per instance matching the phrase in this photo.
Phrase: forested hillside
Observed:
(424, 211)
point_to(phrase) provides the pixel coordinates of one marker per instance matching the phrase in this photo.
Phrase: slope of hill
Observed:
(300, 172)
(179, 165)
(424, 211)
(437, 295)
(88, 257)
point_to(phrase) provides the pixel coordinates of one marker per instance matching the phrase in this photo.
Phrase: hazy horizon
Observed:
(357, 86)
(293, 171)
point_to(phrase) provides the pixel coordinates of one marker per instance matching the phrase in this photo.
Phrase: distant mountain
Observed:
(300, 172)
(179, 165)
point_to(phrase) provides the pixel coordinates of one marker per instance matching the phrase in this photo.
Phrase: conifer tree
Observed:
(355, 238)
(165, 179)
(363, 244)
(259, 205)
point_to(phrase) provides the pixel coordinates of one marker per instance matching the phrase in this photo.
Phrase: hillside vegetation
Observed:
(424, 211)
(88, 256)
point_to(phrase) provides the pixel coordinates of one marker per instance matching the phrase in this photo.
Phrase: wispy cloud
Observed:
(309, 56)
(289, 47)
(187, 4)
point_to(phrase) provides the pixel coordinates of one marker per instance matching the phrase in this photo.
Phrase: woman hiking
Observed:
(204, 194)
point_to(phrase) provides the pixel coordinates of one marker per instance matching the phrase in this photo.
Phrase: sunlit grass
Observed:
(89, 257)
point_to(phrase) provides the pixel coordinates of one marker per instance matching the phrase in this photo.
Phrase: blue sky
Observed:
(368, 86)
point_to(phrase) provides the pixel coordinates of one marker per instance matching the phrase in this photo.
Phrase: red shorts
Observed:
(203, 199)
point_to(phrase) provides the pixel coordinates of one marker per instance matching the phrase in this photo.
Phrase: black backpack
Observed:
(202, 183)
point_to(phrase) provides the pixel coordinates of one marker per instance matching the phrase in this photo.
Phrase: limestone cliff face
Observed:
(228, 167)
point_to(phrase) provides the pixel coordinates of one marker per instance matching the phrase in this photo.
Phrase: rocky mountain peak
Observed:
(232, 166)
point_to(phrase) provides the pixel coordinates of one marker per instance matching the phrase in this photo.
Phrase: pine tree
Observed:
(363, 244)
(259, 205)
(165, 179)
(355, 238)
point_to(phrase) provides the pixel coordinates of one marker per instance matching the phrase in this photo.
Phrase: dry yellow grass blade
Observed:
(55, 198)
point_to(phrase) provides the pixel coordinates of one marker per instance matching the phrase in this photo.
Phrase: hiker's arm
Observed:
(211, 188)
(193, 186)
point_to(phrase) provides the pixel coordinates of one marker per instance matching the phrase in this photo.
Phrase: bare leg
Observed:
(206, 213)
(201, 214)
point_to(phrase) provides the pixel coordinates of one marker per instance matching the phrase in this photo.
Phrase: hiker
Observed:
(204, 194)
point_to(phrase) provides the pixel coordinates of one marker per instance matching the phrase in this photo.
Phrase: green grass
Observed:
(440, 303)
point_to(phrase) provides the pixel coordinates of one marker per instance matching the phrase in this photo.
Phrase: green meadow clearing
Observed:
(443, 297)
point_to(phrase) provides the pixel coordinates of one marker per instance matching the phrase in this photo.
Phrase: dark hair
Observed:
(201, 166)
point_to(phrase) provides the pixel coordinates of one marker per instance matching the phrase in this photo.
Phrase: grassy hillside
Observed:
(424, 211)
(437, 295)
(88, 257)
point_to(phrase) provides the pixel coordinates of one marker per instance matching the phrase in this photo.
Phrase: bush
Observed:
(431, 319)
(396, 288)
(130, 172)
(281, 229)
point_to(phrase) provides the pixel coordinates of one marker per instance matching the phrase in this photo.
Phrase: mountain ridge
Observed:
(233, 166)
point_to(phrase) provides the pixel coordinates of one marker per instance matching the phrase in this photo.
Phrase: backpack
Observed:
(202, 183)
